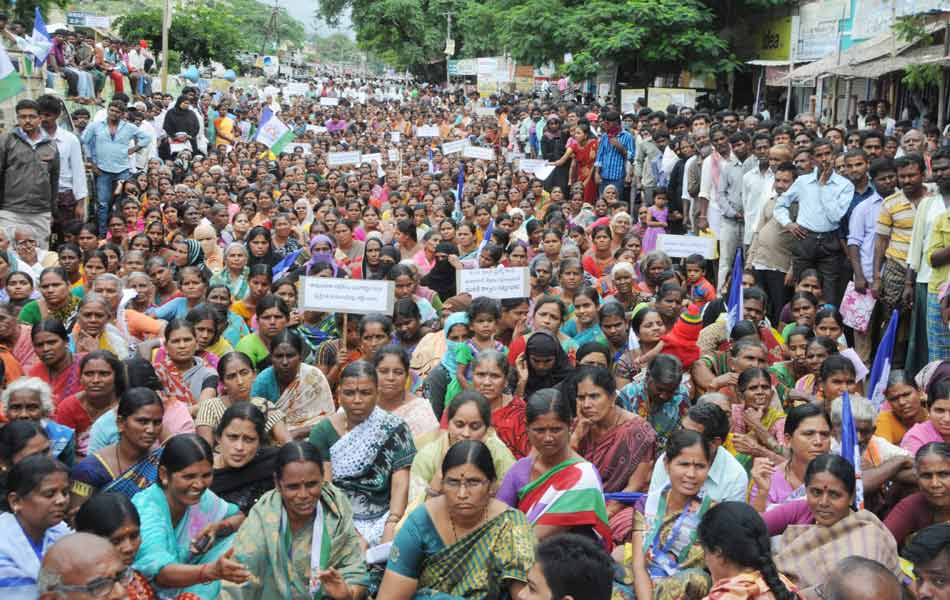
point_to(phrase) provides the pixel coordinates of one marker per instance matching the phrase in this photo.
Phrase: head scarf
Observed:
(327, 257)
(181, 119)
(441, 278)
(368, 271)
(448, 359)
(391, 252)
(681, 341)
(542, 344)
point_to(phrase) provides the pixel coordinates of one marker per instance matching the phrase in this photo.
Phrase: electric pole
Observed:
(449, 46)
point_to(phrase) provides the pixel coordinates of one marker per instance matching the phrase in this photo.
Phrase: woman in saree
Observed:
(758, 422)
(300, 537)
(193, 283)
(38, 496)
(583, 146)
(236, 376)
(272, 318)
(548, 316)
(392, 369)
(112, 515)
(738, 555)
(555, 487)
(55, 301)
(469, 418)
(235, 272)
(583, 326)
(618, 443)
(131, 465)
(220, 297)
(463, 544)
(259, 277)
(490, 378)
(31, 399)
(817, 531)
(930, 505)
(808, 431)
(186, 377)
(15, 336)
(102, 381)
(367, 454)
(243, 465)
(93, 329)
(663, 556)
(298, 390)
(177, 512)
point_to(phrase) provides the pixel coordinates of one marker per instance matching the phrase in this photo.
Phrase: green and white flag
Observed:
(272, 132)
(10, 82)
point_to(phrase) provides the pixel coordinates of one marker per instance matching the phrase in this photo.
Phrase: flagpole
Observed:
(166, 25)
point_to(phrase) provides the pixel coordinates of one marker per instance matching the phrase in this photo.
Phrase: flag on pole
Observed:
(881, 369)
(272, 132)
(40, 40)
(734, 305)
(284, 266)
(850, 451)
(485, 240)
(459, 188)
(10, 82)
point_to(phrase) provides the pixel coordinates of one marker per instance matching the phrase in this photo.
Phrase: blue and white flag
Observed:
(734, 305)
(40, 42)
(284, 266)
(459, 188)
(850, 450)
(272, 132)
(881, 369)
(431, 162)
(485, 240)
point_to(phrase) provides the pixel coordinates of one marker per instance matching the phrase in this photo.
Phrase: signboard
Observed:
(663, 97)
(81, 19)
(296, 88)
(465, 66)
(530, 165)
(427, 131)
(773, 39)
(329, 101)
(453, 147)
(478, 153)
(818, 29)
(628, 96)
(360, 296)
(684, 245)
(338, 159)
(524, 78)
(494, 283)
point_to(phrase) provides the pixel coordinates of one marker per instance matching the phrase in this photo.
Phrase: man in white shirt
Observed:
(727, 479)
(755, 183)
(72, 170)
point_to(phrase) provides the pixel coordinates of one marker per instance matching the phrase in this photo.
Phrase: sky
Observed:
(303, 12)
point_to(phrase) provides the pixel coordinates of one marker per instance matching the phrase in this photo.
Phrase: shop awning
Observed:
(888, 64)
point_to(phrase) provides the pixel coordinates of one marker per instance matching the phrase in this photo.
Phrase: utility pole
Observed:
(166, 25)
(277, 35)
(449, 45)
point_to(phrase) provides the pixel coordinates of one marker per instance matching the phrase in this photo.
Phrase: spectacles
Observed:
(99, 587)
(469, 484)
(25, 242)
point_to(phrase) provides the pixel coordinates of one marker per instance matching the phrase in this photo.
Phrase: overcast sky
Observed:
(303, 12)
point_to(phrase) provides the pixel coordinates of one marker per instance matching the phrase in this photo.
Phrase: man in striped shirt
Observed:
(615, 149)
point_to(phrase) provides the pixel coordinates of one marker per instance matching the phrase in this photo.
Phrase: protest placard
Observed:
(369, 159)
(395, 136)
(484, 111)
(359, 296)
(338, 159)
(289, 148)
(316, 129)
(478, 153)
(684, 245)
(453, 147)
(394, 156)
(427, 131)
(494, 283)
(329, 101)
(530, 165)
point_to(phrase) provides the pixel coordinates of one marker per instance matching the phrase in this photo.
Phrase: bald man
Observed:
(859, 578)
(82, 566)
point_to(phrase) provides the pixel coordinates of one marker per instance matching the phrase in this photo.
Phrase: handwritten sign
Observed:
(478, 153)
(369, 159)
(360, 296)
(338, 159)
(427, 131)
(453, 147)
(684, 245)
(494, 283)
(329, 101)
(316, 129)
(394, 156)
(296, 88)
(291, 148)
(530, 165)
(395, 136)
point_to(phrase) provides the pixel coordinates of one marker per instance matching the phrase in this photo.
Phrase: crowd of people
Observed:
(179, 423)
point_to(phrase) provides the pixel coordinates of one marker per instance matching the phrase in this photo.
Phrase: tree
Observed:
(199, 34)
(253, 19)
(23, 10)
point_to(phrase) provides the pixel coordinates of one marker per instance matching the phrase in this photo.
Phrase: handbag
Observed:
(893, 276)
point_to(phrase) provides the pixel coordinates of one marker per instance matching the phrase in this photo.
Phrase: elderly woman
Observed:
(31, 399)
(652, 265)
(235, 272)
(932, 503)
(882, 463)
(94, 330)
(660, 397)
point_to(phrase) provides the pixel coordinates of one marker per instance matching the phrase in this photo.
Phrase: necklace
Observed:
(480, 520)
(118, 460)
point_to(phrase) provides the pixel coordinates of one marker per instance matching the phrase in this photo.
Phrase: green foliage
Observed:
(198, 33)
(252, 18)
(23, 10)
(920, 77)
(911, 29)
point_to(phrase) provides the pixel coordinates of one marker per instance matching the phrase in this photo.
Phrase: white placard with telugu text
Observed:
(530, 165)
(338, 159)
(494, 283)
(478, 153)
(360, 296)
(453, 147)
(329, 101)
(427, 131)
(684, 245)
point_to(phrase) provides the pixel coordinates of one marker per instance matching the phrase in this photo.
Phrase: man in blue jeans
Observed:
(616, 147)
(110, 143)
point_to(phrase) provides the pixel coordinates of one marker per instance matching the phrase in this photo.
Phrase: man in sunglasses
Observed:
(83, 566)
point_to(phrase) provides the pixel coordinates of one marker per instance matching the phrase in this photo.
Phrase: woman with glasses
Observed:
(299, 538)
(112, 515)
(464, 543)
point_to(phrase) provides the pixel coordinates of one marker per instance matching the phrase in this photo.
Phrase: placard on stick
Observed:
(338, 159)
(684, 245)
(494, 283)
(360, 296)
